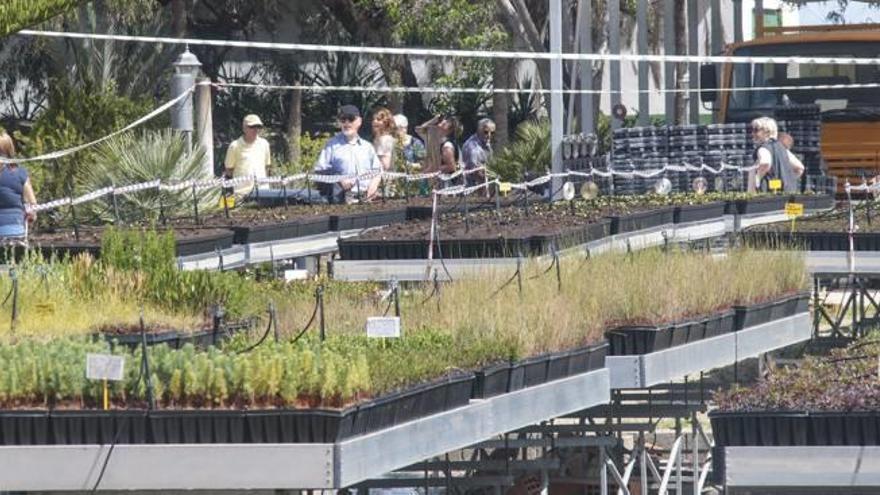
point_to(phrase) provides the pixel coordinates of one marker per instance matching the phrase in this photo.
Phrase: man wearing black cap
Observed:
(347, 154)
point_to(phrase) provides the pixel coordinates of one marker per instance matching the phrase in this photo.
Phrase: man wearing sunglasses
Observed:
(249, 155)
(478, 149)
(348, 154)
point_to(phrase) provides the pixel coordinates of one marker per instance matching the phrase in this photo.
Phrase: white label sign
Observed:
(104, 367)
(384, 327)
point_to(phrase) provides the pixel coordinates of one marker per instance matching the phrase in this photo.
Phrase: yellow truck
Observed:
(850, 136)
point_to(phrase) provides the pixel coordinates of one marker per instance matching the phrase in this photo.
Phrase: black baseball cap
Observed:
(349, 111)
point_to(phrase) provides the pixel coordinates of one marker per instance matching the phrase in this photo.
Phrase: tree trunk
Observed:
(680, 68)
(501, 71)
(178, 18)
(413, 106)
(294, 125)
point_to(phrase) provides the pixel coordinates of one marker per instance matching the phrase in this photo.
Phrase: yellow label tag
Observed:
(230, 201)
(504, 187)
(794, 209)
(45, 308)
(775, 184)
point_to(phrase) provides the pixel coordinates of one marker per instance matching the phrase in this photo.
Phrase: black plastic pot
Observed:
(633, 340)
(754, 314)
(367, 219)
(170, 338)
(769, 428)
(535, 370)
(492, 380)
(641, 220)
(24, 428)
(698, 213)
(720, 324)
(764, 204)
(207, 243)
(815, 201)
(288, 229)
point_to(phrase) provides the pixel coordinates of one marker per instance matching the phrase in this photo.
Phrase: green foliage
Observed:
(16, 15)
(134, 158)
(147, 251)
(310, 146)
(74, 116)
(529, 152)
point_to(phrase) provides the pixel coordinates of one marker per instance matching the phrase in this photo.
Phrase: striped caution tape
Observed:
(69, 151)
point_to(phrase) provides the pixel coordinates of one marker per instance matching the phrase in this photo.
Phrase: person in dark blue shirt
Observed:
(15, 193)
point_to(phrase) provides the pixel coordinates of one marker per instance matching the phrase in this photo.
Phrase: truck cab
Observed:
(850, 135)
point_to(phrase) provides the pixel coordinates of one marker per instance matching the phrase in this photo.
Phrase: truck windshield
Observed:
(840, 104)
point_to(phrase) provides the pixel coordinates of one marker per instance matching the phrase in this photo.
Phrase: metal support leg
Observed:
(643, 463)
(678, 433)
(696, 453)
(603, 473)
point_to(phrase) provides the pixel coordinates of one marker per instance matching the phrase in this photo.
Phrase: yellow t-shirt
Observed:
(248, 160)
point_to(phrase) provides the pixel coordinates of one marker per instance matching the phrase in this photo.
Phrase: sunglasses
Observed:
(347, 118)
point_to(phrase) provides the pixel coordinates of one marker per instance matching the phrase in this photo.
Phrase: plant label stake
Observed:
(395, 292)
(14, 276)
(467, 213)
(273, 321)
(794, 210)
(775, 185)
(219, 314)
(497, 199)
(105, 367)
(145, 364)
(196, 205)
(383, 327)
(558, 269)
(519, 272)
(319, 295)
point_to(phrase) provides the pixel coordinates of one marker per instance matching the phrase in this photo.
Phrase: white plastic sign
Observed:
(383, 327)
(104, 367)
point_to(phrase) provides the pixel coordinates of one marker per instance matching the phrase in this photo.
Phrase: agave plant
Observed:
(529, 151)
(135, 158)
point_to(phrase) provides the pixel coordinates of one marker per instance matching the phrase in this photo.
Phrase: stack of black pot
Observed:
(804, 123)
(638, 149)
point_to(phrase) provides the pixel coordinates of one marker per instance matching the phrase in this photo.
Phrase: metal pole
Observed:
(642, 42)
(737, 21)
(557, 108)
(696, 454)
(694, 68)
(669, 67)
(643, 463)
(614, 49)
(603, 472)
(586, 68)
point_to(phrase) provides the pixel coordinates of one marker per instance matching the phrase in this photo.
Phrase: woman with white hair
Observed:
(413, 147)
(772, 159)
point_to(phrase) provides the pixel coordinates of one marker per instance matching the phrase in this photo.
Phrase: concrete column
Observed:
(205, 125)
(186, 68)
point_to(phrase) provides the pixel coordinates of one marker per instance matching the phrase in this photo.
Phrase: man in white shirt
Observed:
(249, 155)
(347, 154)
